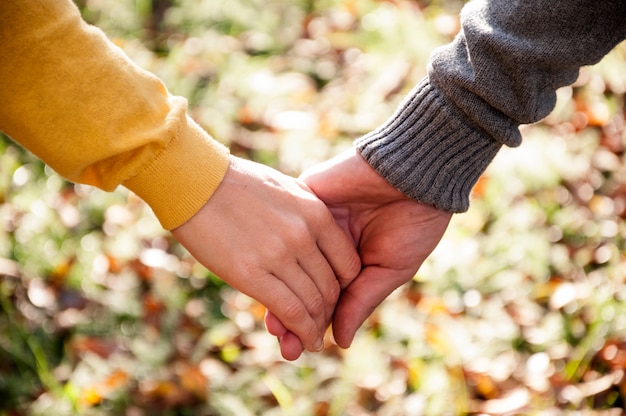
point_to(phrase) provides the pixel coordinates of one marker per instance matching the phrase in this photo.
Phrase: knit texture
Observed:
(427, 152)
(502, 70)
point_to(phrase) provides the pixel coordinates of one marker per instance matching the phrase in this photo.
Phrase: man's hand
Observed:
(267, 235)
(393, 235)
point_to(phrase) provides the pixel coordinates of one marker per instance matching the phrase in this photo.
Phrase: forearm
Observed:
(502, 70)
(78, 103)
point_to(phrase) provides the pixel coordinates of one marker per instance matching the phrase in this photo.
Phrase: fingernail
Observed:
(319, 345)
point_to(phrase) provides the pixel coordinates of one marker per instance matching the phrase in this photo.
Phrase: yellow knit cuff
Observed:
(182, 177)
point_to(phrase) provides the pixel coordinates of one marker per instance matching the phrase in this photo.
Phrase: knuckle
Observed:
(317, 211)
(300, 233)
(317, 306)
(351, 268)
(300, 238)
(248, 266)
(333, 294)
(324, 214)
(310, 334)
(294, 311)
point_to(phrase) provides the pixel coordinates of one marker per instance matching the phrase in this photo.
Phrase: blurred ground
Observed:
(520, 310)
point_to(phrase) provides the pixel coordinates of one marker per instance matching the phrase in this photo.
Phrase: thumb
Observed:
(360, 299)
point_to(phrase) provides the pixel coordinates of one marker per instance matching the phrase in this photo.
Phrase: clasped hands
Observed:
(312, 262)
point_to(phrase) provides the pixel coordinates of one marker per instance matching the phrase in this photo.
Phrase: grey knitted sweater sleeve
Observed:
(502, 70)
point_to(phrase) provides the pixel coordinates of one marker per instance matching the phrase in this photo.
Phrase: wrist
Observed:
(428, 151)
(183, 177)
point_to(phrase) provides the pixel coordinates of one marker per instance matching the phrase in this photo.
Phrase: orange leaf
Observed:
(58, 275)
(116, 380)
(432, 306)
(97, 346)
(436, 337)
(480, 187)
(152, 305)
(90, 396)
(193, 381)
(93, 395)
(485, 386)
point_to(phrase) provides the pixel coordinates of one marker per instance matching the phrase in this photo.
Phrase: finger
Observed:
(322, 275)
(305, 304)
(290, 346)
(360, 299)
(273, 324)
(314, 289)
(335, 243)
(339, 251)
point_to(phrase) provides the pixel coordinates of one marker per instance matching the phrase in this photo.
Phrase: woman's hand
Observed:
(267, 235)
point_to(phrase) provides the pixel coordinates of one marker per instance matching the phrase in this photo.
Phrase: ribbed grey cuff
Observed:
(428, 151)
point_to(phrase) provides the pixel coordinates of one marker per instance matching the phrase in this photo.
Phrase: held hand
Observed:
(269, 237)
(393, 234)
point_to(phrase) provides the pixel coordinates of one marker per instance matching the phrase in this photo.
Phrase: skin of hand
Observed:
(267, 235)
(393, 235)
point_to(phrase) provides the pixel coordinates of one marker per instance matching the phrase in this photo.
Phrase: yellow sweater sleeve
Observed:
(77, 102)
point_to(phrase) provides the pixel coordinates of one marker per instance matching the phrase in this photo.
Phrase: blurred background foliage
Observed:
(520, 310)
